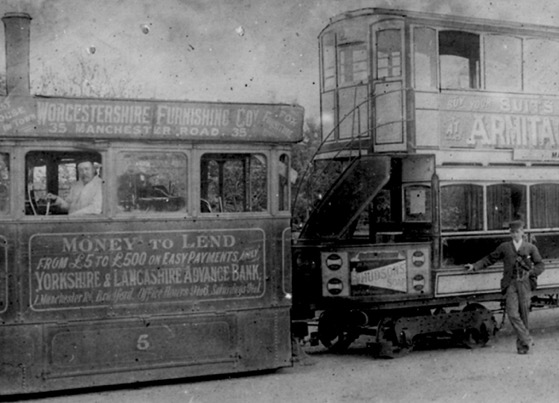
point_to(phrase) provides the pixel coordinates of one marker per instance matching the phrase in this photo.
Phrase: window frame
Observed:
(269, 178)
(76, 149)
(185, 210)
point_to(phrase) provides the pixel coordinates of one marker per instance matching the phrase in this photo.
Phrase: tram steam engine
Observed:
(445, 129)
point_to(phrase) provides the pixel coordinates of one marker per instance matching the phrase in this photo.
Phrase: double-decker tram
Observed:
(447, 129)
(139, 239)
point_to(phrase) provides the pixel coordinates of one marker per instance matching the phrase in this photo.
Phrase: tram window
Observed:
(353, 63)
(4, 183)
(548, 244)
(460, 251)
(544, 211)
(459, 59)
(73, 178)
(503, 63)
(328, 115)
(284, 181)
(389, 53)
(329, 62)
(425, 58)
(541, 67)
(151, 182)
(233, 183)
(505, 203)
(417, 199)
(461, 207)
(354, 116)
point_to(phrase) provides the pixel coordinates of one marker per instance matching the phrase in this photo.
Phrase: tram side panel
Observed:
(144, 304)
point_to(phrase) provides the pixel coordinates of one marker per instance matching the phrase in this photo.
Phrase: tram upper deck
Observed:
(469, 91)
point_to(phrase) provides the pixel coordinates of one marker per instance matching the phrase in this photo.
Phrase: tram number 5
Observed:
(143, 342)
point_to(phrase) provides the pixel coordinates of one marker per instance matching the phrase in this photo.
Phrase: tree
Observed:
(89, 80)
(314, 177)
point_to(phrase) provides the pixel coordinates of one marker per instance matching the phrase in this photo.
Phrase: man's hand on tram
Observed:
(469, 267)
(52, 197)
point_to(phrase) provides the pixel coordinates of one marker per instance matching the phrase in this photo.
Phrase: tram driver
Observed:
(86, 195)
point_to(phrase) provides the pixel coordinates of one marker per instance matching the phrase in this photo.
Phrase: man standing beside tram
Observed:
(86, 195)
(522, 265)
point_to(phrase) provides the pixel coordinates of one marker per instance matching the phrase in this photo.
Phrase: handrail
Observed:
(324, 140)
(354, 136)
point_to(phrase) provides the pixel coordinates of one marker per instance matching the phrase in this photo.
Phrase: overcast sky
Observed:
(214, 50)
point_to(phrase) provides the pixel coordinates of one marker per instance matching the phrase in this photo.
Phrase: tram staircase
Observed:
(352, 151)
(312, 171)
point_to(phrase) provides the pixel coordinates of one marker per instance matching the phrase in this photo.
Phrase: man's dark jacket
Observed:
(527, 258)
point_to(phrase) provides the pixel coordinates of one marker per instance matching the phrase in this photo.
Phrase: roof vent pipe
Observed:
(17, 34)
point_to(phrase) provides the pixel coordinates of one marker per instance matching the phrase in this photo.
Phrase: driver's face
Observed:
(86, 171)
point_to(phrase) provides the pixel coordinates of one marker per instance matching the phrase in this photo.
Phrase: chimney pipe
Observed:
(17, 34)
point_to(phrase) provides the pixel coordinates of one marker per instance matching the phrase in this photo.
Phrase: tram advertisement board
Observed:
(111, 269)
(499, 121)
(142, 119)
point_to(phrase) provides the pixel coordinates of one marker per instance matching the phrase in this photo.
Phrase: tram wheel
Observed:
(388, 344)
(334, 332)
(475, 337)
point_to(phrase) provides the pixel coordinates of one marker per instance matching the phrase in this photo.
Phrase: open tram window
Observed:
(151, 182)
(544, 211)
(63, 182)
(462, 207)
(505, 202)
(233, 183)
(459, 59)
(4, 183)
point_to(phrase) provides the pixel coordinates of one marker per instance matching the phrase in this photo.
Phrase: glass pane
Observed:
(505, 203)
(541, 66)
(548, 245)
(151, 182)
(4, 183)
(353, 64)
(544, 209)
(460, 251)
(328, 117)
(503, 63)
(417, 203)
(425, 58)
(461, 208)
(354, 116)
(389, 53)
(234, 183)
(284, 181)
(328, 62)
(389, 116)
(459, 59)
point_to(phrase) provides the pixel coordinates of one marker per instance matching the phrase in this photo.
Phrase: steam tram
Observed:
(446, 128)
(183, 270)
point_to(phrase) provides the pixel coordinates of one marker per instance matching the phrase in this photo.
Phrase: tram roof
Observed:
(475, 23)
